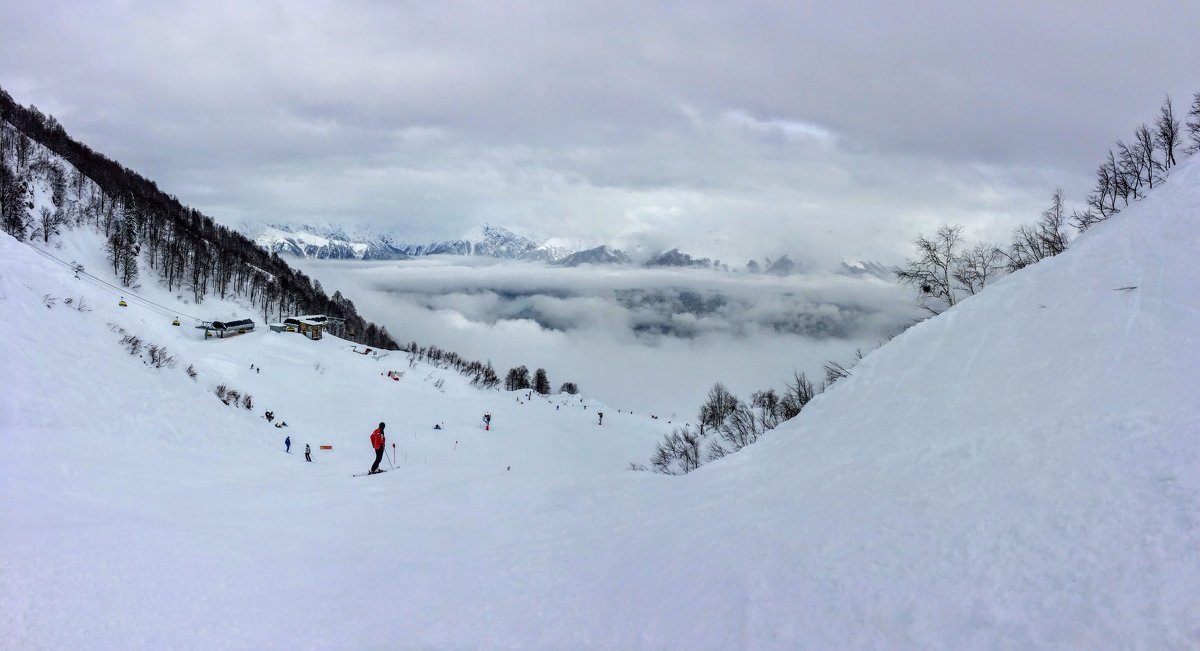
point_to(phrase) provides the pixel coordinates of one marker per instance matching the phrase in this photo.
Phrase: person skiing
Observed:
(287, 445)
(487, 422)
(601, 421)
(307, 453)
(377, 441)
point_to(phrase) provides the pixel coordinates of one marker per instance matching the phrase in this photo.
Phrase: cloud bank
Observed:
(652, 340)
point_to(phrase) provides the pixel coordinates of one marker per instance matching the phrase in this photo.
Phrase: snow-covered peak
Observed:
(599, 255)
(328, 241)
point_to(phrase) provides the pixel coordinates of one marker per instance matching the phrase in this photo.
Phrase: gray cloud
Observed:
(731, 129)
(648, 339)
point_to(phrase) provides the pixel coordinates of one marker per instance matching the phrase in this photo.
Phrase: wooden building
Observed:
(312, 326)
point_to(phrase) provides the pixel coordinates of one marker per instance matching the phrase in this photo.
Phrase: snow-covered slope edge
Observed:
(1022, 471)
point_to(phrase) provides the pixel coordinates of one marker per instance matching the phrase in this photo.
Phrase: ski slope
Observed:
(1021, 472)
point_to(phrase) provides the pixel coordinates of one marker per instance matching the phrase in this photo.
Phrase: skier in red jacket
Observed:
(377, 442)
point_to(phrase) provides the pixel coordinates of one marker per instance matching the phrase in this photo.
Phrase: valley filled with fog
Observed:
(650, 340)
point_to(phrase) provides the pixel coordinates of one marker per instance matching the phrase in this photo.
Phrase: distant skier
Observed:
(287, 445)
(601, 415)
(307, 453)
(487, 422)
(377, 442)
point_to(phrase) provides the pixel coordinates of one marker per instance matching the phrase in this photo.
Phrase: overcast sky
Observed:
(730, 129)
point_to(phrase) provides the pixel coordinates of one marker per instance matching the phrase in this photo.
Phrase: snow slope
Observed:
(1021, 472)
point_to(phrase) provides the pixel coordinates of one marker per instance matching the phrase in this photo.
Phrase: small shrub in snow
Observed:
(78, 306)
(132, 343)
(247, 401)
(319, 368)
(48, 301)
(678, 453)
(159, 357)
(438, 385)
(232, 396)
(221, 392)
(191, 371)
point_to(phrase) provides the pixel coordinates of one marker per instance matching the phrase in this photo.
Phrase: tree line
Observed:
(726, 423)
(518, 379)
(947, 269)
(143, 224)
(483, 374)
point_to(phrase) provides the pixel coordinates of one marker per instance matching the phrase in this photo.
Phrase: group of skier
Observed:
(287, 447)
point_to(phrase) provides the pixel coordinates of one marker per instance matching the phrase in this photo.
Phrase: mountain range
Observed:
(332, 242)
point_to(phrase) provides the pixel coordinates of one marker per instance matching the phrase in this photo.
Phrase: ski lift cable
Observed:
(117, 291)
(113, 289)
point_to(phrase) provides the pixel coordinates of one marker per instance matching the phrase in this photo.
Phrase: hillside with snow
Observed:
(1020, 472)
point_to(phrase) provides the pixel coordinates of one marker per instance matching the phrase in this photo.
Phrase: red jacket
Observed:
(377, 439)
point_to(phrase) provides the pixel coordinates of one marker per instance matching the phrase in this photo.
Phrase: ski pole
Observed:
(392, 457)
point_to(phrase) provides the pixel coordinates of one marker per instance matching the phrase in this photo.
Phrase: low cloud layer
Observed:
(649, 340)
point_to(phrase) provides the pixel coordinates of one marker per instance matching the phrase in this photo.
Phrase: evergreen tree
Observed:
(541, 383)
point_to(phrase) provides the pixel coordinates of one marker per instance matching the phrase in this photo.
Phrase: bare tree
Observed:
(1146, 146)
(14, 206)
(678, 453)
(835, 371)
(740, 427)
(1193, 125)
(978, 266)
(48, 223)
(797, 395)
(1102, 201)
(1045, 239)
(932, 273)
(720, 404)
(1167, 133)
(517, 379)
(770, 408)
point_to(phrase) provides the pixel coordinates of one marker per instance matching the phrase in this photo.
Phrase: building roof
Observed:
(230, 325)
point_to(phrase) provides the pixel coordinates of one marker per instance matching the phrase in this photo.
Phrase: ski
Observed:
(364, 474)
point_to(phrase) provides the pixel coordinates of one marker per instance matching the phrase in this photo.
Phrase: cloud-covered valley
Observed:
(652, 340)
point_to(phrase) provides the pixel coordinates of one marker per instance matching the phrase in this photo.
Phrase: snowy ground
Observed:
(1022, 472)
